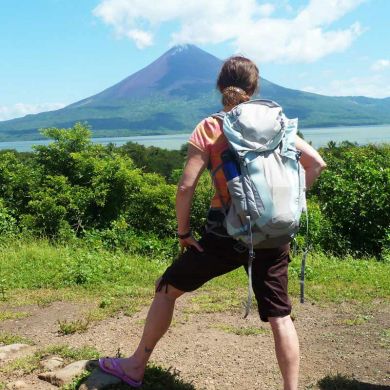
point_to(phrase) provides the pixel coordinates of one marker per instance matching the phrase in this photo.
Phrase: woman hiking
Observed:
(216, 253)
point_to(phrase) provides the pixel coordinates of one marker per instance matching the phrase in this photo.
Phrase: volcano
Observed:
(173, 93)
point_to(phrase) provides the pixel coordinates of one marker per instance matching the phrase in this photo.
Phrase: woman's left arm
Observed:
(197, 161)
(310, 160)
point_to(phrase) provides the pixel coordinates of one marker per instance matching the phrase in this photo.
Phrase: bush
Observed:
(7, 222)
(354, 195)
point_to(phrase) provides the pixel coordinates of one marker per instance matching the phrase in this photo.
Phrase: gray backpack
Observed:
(265, 180)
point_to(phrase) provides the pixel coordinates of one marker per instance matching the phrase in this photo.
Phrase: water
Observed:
(318, 136)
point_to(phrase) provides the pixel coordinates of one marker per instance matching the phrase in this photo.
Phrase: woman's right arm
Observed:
(197, 161)
(310, 160)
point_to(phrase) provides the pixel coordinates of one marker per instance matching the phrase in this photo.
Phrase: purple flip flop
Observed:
(116, 370)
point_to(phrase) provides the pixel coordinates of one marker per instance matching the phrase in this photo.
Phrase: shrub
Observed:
(7, 222)
(354, 195)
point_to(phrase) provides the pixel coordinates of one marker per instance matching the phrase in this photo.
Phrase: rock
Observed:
(52, 363)
(7, 351)
(17, 385)
(99, 380)
(65, 375)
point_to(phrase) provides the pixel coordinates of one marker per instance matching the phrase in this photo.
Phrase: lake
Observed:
(318, 136)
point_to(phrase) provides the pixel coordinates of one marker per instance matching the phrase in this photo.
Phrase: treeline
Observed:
(124, 196)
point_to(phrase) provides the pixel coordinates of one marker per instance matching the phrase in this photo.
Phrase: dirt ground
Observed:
(335, 339)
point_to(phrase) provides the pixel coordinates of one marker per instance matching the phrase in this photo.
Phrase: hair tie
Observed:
(235, 89)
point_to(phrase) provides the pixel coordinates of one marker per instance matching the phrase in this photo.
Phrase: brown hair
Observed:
(237, 80)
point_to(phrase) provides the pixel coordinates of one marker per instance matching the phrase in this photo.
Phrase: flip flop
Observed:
(117, 370)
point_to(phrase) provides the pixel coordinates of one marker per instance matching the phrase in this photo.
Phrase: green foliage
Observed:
(354, 195)
(319, 236)
(7, 222)
(201, 202)
(120, 236)
(154, 160)
(57, 157)
(39, 264)
(16, 181)
(70, 327)
(71, 186)
(7, 338)
(124, 198)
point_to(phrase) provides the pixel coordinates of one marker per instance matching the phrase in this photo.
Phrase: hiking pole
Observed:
(303, 264)
(302, 281)
(250, 261)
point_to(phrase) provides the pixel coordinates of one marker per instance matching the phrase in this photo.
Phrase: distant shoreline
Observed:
(158, 134)
(319, 136)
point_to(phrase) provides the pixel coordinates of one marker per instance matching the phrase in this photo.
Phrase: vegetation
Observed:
(113, 197)
(353, 196)
(74, 214)
(28, 364)
(155, 160)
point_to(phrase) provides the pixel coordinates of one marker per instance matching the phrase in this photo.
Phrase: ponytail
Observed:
(231, 96)
(237, 80)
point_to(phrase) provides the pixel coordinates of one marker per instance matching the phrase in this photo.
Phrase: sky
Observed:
(56, 52)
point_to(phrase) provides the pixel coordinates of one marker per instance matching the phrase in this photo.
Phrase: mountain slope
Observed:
(174, 92)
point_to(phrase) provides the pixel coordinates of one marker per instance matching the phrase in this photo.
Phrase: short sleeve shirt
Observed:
(208, 137)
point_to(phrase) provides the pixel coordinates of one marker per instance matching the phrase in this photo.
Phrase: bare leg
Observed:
(157, 323)
(287, 350)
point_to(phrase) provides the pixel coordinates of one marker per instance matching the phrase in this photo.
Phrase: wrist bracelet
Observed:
(184, 236)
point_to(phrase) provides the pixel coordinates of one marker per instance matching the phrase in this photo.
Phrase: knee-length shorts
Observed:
(224, 254)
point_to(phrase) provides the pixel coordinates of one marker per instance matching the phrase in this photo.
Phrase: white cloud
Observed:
(21, 109)
(380, 65)
(309, 88)
(252, 28)
(141, 38)
(376, 86)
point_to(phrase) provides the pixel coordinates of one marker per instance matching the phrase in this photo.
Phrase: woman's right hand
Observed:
(188, 242)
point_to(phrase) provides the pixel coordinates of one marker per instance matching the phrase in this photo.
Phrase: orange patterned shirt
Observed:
(208, 137)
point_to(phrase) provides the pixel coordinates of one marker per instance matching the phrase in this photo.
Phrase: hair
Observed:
(238, 80)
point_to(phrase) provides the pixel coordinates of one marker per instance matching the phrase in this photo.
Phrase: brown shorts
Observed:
(223, 254)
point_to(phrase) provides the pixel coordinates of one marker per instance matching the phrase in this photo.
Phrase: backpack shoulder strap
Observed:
(219, 115)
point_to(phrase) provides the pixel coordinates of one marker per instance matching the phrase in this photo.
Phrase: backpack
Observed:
(265, 179)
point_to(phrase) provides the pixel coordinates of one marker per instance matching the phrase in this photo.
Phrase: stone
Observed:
(17, 385)
(7, 351)
(51, 363)
(65, 375)
(99, 380)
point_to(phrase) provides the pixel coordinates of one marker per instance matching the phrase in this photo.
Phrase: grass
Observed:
(358, 320)
(10, 315)
(241, 330)
(385, 338)
(117, 281)
(7, 339)
(336, 280)
(28, 364)
(38, 264)
(214, 300)
(76, 382)
(70, 327)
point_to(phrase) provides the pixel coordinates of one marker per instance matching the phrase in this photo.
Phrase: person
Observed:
(216, 253)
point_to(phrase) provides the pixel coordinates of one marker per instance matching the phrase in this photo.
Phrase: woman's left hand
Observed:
(190, 241)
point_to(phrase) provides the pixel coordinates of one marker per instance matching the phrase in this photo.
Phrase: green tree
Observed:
(354, 195)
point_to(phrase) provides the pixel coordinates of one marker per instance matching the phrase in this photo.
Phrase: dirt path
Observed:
(337, 339)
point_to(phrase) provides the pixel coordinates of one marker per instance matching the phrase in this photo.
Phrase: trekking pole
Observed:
(302, 281)
(303, 264)
(251, 257)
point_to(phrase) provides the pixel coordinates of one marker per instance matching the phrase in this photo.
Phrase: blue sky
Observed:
(55, 52)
